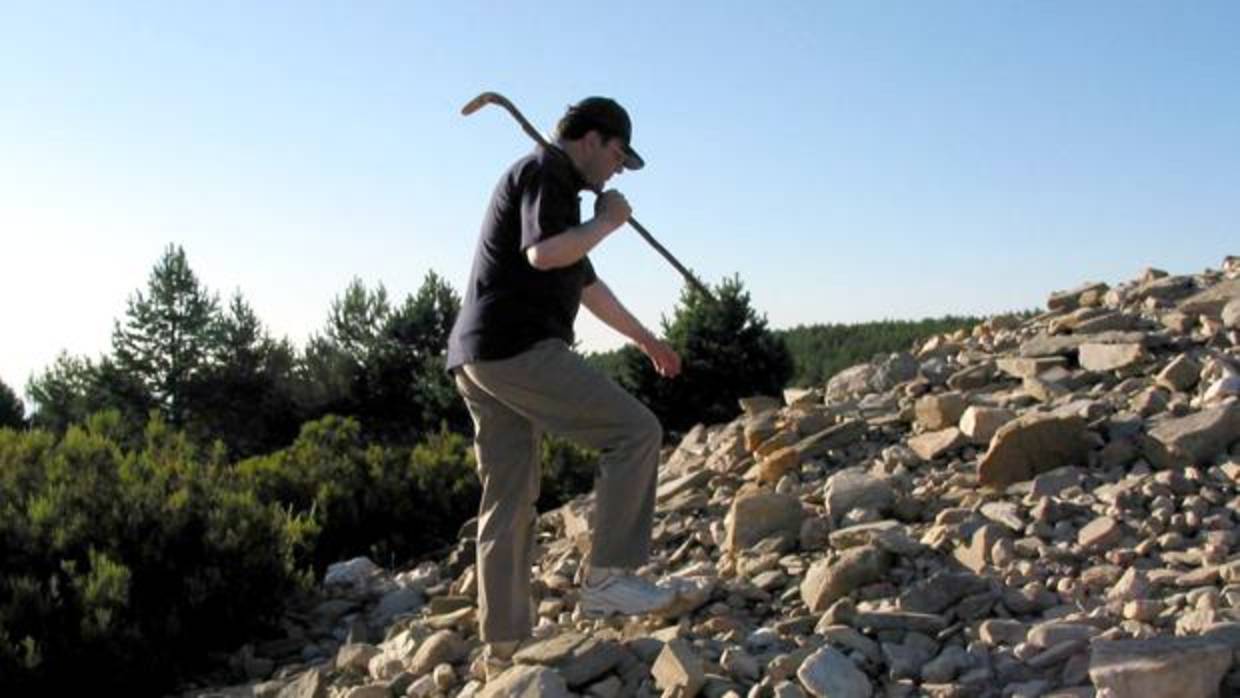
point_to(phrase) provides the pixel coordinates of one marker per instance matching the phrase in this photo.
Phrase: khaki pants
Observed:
(549, 388)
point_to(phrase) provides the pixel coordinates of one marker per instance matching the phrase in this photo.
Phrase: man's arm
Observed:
(603, 304)
(611, 210)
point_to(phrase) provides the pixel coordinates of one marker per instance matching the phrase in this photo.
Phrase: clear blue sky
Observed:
(849, 160)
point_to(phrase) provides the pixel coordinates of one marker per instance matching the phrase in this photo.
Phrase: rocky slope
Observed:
(1043, 507)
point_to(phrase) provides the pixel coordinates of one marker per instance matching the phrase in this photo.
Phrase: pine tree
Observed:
(12, 411)
(244, 394)
(166, 338)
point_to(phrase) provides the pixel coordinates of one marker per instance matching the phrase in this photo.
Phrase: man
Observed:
(510, 355)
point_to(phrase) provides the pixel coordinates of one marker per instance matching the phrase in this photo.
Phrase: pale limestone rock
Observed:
(828, 674)
(525, 681)
(1231, 314)
(1160, 667)
(1021, 367)
(679, 669)
(308, 684)
(1064, 301)
(937, 443)
(443, 646)
(356, 657)
(1112, 357)
(758, 514)
(778, 464)
(940, 411)
(854, 489)
(1180, 375)
(979, 424)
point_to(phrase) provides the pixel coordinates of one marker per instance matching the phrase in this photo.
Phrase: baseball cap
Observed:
(612, 119)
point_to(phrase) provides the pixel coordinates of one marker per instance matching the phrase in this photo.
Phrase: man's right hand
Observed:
(612, 207)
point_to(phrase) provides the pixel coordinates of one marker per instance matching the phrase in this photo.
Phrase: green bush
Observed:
(124, 569)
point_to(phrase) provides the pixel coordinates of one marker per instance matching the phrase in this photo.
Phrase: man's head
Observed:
(596, 132)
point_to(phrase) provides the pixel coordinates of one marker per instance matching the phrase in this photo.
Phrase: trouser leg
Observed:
(555, 389)
(506, 446)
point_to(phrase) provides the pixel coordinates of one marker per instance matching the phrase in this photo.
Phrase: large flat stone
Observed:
(1184, 667)
(1212, 300)
(1112, 357)
(1031, 445)
(1195, 439)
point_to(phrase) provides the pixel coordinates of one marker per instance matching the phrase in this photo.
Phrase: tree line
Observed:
(213, 370)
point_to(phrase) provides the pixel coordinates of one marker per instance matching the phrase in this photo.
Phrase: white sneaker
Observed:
(625, 594)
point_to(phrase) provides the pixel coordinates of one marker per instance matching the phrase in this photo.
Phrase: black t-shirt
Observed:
(509, 305)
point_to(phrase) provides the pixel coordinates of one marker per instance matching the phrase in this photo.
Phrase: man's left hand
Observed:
(665, 359)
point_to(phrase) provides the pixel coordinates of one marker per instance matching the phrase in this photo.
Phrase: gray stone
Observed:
(1064, 301)
(1006, 514)
(1023, 367)
(828, 580)
(1160, 667)
(589, 661)
(1052, 633)
(1231, 314)
(1111, 357)
(1212, 300)
(1002, 631)
(936, 443)
(395, 603)
(833, 437)
(856, 489)
(1195, 439)
(828, 674)
(899, 620)
(758, 514)
(851, 381)
(940, 591)
(979, 424)
(525, 681)
(1181, 374)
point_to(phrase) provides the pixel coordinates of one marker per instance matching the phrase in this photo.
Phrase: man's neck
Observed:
(576, 155)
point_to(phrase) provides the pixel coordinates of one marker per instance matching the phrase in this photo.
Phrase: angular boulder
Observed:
(758, 514)
(828, 581)
(1111, 357)
(1031, 445)
(1194, 439)
(1184, 667)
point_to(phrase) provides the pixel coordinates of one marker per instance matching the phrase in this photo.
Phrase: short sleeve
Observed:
(548, 208)
(588, 269)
